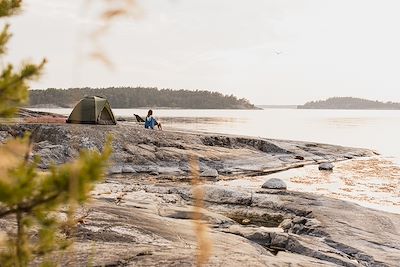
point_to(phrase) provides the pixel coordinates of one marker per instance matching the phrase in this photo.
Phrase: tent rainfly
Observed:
(92, 110)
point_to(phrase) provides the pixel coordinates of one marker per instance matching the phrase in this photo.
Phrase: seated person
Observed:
(150, 121)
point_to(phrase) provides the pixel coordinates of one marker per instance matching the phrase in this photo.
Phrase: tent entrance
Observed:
(105, 117)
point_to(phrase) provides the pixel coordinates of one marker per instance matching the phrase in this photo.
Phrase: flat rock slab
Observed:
(145, 220)
(145, 151)
(314, 230)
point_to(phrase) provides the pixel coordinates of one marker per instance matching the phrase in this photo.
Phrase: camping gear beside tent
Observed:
(138, 118)
(92, 110)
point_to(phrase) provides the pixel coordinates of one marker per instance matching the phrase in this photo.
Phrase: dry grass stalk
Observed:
(114, 9)
(204, 244)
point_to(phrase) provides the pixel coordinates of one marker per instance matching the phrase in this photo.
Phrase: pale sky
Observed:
(268, 51)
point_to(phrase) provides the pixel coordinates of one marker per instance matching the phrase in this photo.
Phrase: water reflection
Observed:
(372, 182)
(185, 121)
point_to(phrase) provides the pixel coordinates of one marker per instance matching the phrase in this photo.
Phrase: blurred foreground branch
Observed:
(28, 196)
(112, 11)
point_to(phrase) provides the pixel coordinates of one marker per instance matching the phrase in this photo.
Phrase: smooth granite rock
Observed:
(146, 218)
(274, 183)
(286, 224)
(327, 166)
(213, 173)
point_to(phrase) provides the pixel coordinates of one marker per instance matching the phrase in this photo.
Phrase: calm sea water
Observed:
(372, 182)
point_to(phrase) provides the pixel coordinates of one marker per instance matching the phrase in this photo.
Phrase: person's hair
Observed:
(149, 113)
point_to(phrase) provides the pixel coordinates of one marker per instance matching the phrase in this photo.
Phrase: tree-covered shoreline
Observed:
(349, 103)
(135, 97)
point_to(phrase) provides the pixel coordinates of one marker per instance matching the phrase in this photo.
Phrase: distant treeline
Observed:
(133, 97)
(349, 103)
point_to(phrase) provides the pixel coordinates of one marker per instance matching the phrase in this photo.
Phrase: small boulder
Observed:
(274, 183)
(209, 173)
(246, 221)
(299, 220)
(286, 224)
(279, 241)
(327, 166)
(299, 157)
(297, 229)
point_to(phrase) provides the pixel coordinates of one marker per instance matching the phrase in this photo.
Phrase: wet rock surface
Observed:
(142, 213)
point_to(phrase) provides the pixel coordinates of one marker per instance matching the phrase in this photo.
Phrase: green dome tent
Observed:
(92, 110)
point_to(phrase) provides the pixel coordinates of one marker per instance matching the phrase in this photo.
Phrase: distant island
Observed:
(349, 103)
(135, 97)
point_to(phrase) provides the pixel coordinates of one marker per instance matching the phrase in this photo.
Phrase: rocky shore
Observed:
(141, 215)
